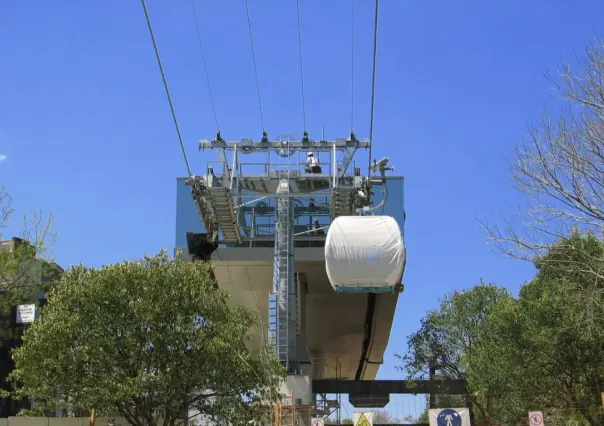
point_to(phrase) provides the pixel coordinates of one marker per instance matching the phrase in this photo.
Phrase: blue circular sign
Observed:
(448, 417)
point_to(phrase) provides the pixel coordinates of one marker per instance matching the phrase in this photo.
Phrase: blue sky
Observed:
(87, 134)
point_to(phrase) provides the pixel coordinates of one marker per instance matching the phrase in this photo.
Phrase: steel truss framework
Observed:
(228, 195)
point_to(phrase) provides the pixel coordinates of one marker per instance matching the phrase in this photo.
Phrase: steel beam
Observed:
(384, 387)
(325, 146)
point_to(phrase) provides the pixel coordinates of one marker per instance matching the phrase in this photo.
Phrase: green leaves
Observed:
(452, 336)
(543, 350)
(144, 339)
(25, 271)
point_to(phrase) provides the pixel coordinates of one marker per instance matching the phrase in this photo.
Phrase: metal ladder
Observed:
(273, 321)
(222, 205)
(282, 301)
(278, 312)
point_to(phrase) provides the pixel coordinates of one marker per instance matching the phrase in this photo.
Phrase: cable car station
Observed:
(313, 253)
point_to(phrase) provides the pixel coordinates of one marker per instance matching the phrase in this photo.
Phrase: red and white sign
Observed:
(536, 418)
(317, 422)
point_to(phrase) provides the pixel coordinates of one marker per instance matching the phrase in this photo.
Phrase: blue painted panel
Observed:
(395, 205)
(188, 220)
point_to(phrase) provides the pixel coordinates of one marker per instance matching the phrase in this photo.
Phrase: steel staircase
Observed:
(224, 211)
(200, 193)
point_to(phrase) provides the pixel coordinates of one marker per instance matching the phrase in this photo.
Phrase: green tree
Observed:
(24, 263)
(450, 337)
(25, 274)
(546, 350)
(146, 339)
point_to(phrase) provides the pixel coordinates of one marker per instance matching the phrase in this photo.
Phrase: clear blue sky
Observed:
(87, 133)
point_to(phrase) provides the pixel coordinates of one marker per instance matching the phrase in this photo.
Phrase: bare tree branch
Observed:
(559, 167)
(23, 263)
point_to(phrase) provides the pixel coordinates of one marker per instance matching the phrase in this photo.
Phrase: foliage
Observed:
(424, 417)
(24, 271)
(146, 339)
(548, 346)
(384, 417)
(450, 337)
(25, 275)
(559, 166)
(334, 421)
(543, 350)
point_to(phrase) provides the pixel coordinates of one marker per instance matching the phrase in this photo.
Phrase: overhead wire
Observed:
(203, 57)
(301, 66)
(375, 34)
(178, 129)
(163, 76)
(249, 26)
(352, 72)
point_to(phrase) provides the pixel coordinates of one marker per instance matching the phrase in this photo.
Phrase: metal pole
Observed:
(250, 202)
(432, 402)
(334, 165)
(235, 155)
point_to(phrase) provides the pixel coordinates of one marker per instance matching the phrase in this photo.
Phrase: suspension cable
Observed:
(203, 57)
(352, 73)
(163, 76)
(249, 25)
(375, 33)
(301, 68)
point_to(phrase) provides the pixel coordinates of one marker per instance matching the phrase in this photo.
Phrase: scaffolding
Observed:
(289, 413)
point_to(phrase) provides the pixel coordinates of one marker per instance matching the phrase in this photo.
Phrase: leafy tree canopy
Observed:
(144, 339)
(543, 350)
(547, 347)
(451, 336)
(24, 267)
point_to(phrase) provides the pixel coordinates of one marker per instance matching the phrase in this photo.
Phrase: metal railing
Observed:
(265, 169)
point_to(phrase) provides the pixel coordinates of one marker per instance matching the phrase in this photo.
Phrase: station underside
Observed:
(346, 334)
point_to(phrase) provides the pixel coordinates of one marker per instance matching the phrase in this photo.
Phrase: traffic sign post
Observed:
(315, 421)
(536, 418)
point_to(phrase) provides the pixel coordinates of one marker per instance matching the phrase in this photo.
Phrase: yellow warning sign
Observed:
(364, 420)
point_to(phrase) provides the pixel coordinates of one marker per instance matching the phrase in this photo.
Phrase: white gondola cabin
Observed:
(365, 254)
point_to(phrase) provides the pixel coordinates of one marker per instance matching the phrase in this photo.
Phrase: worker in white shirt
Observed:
(312, 164)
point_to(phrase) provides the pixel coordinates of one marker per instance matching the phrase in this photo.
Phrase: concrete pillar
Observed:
(302, 352)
